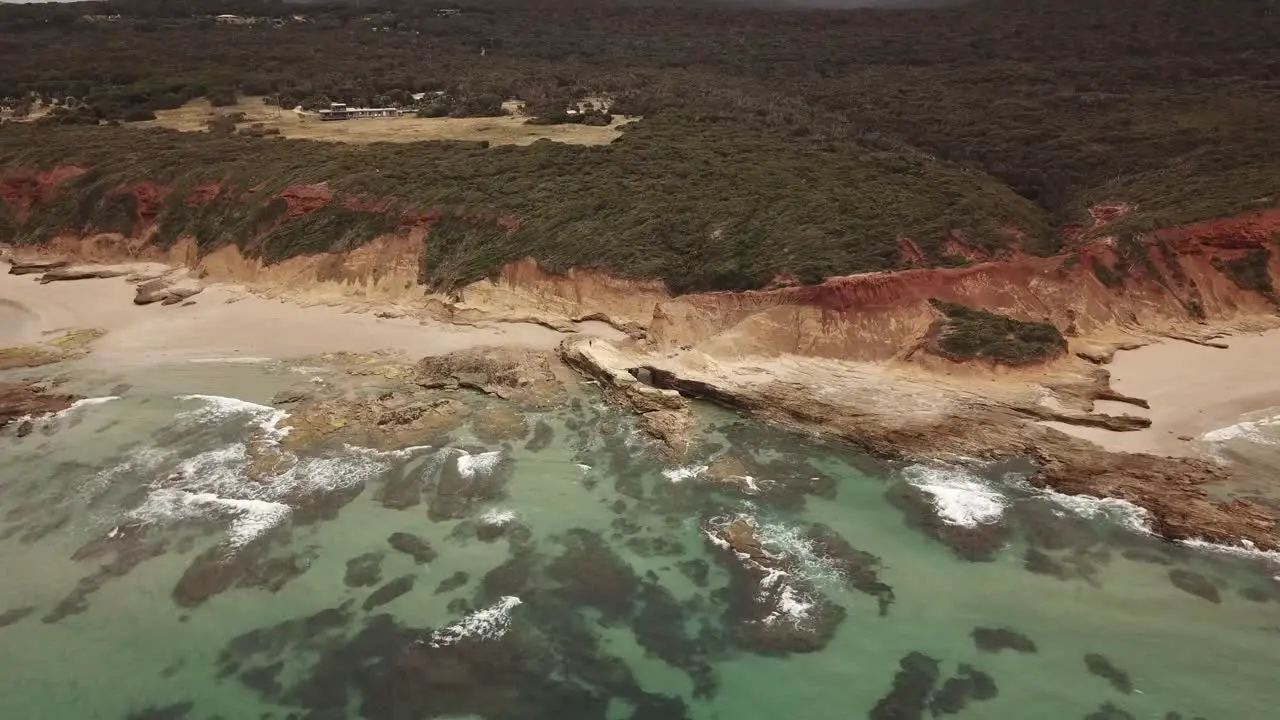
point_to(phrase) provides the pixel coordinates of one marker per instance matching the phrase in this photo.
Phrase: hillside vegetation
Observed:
(799, 143)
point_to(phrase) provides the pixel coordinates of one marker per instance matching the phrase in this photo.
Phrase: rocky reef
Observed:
(20, 402)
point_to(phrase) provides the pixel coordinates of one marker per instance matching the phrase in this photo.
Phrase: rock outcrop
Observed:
(897, 411)
(521, 376)
(774, 609)
(167, 290)
(68, 345)
(664, 413)
(30, 400)
(35, 265)
(135, 272)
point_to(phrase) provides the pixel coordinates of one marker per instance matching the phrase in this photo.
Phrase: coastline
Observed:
(894, 410)
(1193, 390)
(228, 321)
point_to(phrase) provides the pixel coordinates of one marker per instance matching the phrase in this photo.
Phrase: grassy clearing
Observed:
(511, 129)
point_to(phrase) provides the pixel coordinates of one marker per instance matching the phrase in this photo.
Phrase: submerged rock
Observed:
(176, 711)
(1195, 584)
(993, 640)
(388, 592)
(499, 423)
(1099, 665)
(1109, 711)
(453, 582)
(659, 627)
(969, 683)
(772, 608)
(9, 617)
(913, 685)
(402, 489)
(252, 566)
(976, 542)
(467, 481)
(364, 570)
(696, 570)
(543, 435)
(861, 570)
(591, 574)
(412, 545)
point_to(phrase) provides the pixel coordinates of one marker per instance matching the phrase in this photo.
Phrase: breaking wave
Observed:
(79, 405)
(487, 624)
(1245, 549)
(497, 517)
(1265, 431)
(959, 497)
(216, 484)
(248, 519)
(789, 605)
(481, 463)
(217, 408)
(1119, 511)
(687, 472)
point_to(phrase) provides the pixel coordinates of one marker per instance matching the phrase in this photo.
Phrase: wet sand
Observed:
(225, 322)
(1193, 390)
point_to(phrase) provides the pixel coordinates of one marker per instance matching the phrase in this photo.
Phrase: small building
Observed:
(232, 20)
(340, 111)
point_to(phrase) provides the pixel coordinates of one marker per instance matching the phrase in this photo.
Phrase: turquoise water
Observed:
(151, 574)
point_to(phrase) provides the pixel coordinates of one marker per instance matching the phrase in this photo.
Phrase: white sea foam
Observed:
(498, 517)
(487, 624)
(791, 606)
(789, 542)
(687, 472)
(1265, 431)
(140, 460)
(481, 463)
(217, 408)
(213, 484)
(85, 402)
(1123, 512)
(397, 454)
(1245, 549)
(80, 405)
(959, 497)
(248, 519)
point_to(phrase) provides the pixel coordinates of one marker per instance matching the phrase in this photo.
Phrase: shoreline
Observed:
(1193, 390)
(227, 321)
(889, 410)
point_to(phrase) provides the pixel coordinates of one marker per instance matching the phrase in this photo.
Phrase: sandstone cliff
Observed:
(849, 356)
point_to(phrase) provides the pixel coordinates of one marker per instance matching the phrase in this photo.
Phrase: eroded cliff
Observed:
(856, 357)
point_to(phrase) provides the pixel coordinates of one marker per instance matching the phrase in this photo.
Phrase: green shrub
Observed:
(138, 114)
(1105, 273)
(1250, 271)
(969, 334)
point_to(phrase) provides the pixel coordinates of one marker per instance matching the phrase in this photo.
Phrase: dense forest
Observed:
(775, 141)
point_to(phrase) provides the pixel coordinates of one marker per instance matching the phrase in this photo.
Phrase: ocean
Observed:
(154, 568)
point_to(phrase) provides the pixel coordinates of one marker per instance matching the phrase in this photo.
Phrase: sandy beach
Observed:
(1192, 389)
(227, 322)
